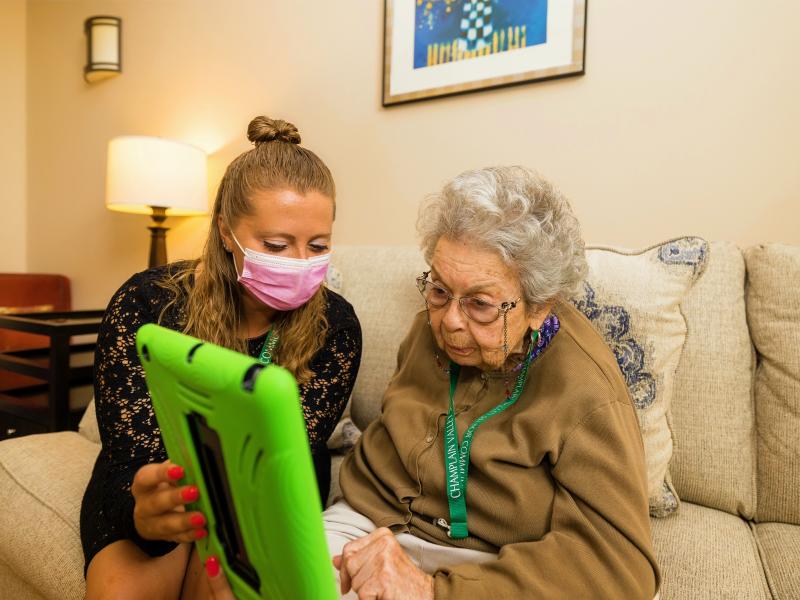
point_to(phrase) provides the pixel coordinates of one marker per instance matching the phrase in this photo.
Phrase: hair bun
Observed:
(263, 129)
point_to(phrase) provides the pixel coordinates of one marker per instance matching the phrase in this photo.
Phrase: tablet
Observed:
(237, 428)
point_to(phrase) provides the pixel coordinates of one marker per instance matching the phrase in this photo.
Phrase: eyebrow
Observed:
(472, 289)
(287, 236)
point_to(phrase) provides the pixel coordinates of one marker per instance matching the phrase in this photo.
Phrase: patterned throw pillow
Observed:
(333, 280)
(633, 298)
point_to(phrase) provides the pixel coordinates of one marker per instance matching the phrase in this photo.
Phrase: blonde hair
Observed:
(214, 302)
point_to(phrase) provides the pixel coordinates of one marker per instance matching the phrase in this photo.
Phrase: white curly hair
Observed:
(520, 215)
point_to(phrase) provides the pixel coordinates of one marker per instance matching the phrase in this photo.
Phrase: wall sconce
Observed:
(156, 177)
(103, 48)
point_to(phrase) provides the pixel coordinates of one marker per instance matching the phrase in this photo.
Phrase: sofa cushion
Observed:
(379, 281)
(707, 553)
(88, 427)
(780, 552)
(633, 299)
(43, 477)
(335, 492)
(15, 587)
(773, 313)
(712, 410)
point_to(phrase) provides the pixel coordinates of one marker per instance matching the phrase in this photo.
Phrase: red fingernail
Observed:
(175, 473)
(212, 566)
(197, 520)
(190, 494)
(199, 534)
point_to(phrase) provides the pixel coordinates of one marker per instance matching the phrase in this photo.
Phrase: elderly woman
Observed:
(507, 462)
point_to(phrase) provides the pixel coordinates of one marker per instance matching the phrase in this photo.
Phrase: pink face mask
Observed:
(282, 283)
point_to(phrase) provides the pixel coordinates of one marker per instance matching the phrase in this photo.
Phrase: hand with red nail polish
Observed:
(197, 520)
(212, 566)
(159, 511)
(190, 494)
(220, 590)
(175, 473)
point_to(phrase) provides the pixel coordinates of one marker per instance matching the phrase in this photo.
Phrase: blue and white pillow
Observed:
(633, 299)
(333, 280)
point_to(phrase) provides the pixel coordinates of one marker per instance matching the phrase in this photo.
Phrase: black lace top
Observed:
(128, 428)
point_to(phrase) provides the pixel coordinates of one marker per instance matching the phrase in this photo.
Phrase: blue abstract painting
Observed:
(451, 30)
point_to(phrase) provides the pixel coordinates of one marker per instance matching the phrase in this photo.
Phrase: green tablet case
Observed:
(237, 428)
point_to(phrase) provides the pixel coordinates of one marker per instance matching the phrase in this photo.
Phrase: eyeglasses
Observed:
(476, 309)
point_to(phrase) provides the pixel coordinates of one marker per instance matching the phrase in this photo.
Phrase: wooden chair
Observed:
(29, 293)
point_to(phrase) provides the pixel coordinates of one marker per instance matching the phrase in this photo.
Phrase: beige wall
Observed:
(685, 122)
(12, 136)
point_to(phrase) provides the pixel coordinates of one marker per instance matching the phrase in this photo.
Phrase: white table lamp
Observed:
(156, 177)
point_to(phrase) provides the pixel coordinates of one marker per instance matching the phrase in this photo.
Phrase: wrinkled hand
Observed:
(377, 567)
(159, 512)
(220, 589)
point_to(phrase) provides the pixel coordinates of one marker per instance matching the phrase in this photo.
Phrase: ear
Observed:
(225, 234)
(538, 314)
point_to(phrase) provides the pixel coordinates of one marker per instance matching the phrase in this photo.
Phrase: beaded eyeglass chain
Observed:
(528, 357)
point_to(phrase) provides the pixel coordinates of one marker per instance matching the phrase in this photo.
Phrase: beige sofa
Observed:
(735, 420)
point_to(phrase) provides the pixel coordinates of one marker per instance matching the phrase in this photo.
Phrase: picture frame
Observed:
(435, 48)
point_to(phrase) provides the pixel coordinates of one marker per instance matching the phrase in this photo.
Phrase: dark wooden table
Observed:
(62, 367)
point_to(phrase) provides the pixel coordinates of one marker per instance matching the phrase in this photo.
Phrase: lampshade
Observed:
(144, 173)
(103, 48)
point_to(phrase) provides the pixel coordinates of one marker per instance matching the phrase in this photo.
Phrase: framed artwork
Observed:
(441, 47)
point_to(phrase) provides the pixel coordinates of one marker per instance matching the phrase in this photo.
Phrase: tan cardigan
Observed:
(556, 482)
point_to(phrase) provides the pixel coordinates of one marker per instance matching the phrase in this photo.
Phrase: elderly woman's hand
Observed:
(376, 566)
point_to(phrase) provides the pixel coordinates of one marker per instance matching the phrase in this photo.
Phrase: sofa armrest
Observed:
(42, 481)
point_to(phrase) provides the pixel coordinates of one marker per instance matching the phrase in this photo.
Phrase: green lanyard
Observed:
(456, 458)
(269, 346)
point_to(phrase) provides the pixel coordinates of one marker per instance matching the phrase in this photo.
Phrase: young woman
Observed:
(257, 288)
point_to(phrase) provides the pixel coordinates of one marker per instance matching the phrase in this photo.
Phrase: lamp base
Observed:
(158, 237)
